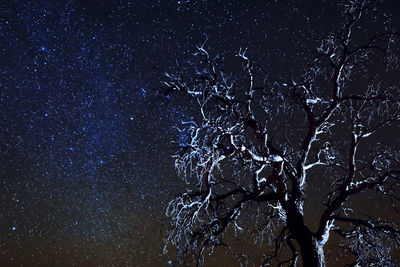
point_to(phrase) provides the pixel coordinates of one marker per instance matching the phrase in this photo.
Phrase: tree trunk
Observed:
(311, 251)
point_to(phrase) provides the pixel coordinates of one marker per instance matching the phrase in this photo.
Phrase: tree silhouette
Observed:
(257, 145)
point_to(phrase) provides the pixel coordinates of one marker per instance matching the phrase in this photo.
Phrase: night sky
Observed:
(86, 133)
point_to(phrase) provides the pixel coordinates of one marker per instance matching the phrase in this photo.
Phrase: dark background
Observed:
(85, 136)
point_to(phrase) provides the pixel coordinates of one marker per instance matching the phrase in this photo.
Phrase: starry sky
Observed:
(86, 135)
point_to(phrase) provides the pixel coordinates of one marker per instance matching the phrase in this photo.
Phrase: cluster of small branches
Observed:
(240, 153)
(368, 241)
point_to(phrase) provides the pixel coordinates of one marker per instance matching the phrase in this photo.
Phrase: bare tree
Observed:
(257, 145)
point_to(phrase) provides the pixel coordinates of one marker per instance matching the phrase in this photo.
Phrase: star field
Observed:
(86, 136)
